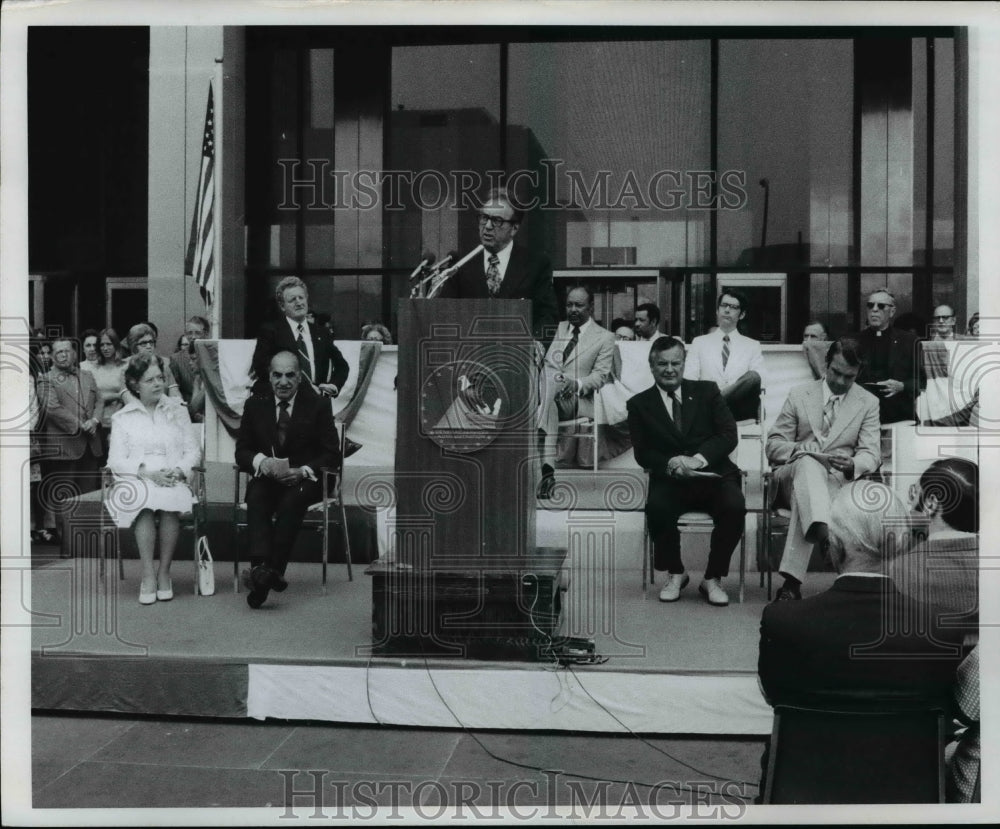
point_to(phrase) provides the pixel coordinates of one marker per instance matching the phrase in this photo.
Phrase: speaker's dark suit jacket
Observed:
(331, 367)
(707, 427)
(528, 276)
(860, 637)
(902, 367)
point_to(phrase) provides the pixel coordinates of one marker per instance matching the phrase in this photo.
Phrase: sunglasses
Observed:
(880, 305)
(146, 342)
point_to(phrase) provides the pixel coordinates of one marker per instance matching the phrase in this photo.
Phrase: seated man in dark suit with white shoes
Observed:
(286, 437)
(683, 433)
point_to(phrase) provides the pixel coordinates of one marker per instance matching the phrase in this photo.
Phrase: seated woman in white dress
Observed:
(153, 450)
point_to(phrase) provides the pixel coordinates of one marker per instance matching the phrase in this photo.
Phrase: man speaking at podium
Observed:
(505, 270)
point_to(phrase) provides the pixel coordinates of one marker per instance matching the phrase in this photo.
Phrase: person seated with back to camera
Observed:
(826, 434)
(286, 438)
(683, 433)
(943, 565)
(836, 648)
(730, 359)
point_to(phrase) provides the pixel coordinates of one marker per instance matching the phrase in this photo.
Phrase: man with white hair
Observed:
(858, 640)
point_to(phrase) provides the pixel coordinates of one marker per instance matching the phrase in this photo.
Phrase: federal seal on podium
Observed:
(462, 404)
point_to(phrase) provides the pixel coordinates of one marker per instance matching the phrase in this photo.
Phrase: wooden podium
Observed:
(467, 579)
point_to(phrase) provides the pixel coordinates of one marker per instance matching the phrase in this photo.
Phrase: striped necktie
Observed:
(283, 420)
(676, 402)
(572, 343)
(829, 415)
(493, 275)
(725, 351)
(304, 361)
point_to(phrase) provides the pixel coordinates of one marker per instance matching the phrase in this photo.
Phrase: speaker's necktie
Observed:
(678, 411)
(304, 362)
(725, 351)
(829, 415)
(571, 344)
(493, 275)
(283, 420)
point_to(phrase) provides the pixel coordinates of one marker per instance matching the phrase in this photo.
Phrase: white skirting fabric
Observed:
(511, 698)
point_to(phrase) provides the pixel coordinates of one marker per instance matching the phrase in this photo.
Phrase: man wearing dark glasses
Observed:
(889, 355)
(506, 270)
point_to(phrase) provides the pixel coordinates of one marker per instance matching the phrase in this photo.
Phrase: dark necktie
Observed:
(725, 351)
(571, 344)
(676, 397)
(493, 275)
(304, 361)
(283, 420)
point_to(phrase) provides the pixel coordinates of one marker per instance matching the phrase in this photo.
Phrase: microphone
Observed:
(443, 276)
(428, 260)
(445, 261)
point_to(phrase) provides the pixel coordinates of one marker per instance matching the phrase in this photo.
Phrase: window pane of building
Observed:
(443, 138)
(786, 117)
(944, 151)
(613, 139)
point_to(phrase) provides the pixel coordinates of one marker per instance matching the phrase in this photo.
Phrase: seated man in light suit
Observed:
(578, 362)
(827, 433)
(734, 362)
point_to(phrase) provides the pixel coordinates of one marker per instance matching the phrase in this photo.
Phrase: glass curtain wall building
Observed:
(807, 166)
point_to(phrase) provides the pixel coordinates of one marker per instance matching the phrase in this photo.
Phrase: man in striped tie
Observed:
(506, 270)
(324, 369)
(826, 434)
(735, 363)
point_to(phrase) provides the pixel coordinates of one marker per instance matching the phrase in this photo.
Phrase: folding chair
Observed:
(109, 531)
(693, 520)
(875, 752)
(319, 516)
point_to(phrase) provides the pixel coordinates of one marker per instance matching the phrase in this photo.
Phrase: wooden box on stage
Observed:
(490, 614)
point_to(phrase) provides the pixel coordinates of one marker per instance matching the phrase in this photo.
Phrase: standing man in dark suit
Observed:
(683, 432)
(860, 639)
(889, 355)
(286, 437)
(71, 410)
(506, 270)
(323, 366)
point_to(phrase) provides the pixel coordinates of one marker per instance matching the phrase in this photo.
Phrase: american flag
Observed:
(200, 259)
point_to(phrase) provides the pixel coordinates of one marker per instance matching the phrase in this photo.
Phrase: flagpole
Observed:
(215, 315)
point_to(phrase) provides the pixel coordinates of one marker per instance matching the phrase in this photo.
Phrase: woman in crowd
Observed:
(622, 329)
(43, 520)
(141, 339)
(110, 380)
(88, 341)
(972, 329)
(153, 451)
(376, 332)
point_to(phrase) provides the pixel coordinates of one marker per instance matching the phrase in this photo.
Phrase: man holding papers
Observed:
(682, 432)
(286, 437)
(827, 433)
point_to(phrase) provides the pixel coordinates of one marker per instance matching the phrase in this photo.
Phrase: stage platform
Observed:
(682, 668)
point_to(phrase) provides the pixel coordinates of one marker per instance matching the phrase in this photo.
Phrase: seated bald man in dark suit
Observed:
(683, 432)
(506, 270)
(323, 366)
(294, 424)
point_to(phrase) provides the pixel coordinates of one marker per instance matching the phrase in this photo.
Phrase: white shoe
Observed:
(146, 596)
(712, 590)
(676, 582)
(165, 595)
